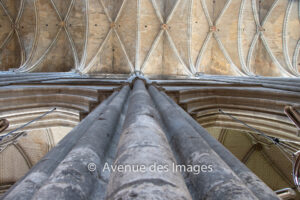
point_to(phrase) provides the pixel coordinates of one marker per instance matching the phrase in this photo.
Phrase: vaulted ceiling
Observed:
(263, 157)
(156, 37)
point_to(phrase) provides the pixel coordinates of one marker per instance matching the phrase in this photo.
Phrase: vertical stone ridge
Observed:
(26, 187)
(220, 182)
(259, 188)
(76, 176)
(143, 143)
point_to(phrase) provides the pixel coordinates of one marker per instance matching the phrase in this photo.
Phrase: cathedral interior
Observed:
(86, 84)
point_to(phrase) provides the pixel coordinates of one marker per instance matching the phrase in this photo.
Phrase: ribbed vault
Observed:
(170, 37)
(17, 159)
(258, 154)
(206, 55)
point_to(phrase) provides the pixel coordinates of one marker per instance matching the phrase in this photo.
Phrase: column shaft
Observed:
(259, 188)
(145, 166)
(25, 188)
(221, 182)
(143, 143)
(72, 179)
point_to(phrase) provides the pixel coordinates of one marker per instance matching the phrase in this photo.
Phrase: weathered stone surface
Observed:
(259, 188)
(143, 144)
(218, 183)
(30, 183)
(147, 137)
(72, 178)
(166, 37)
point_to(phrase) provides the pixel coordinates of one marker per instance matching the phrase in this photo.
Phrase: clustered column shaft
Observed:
(143, 144)
(26, 187)
(193, 150)
(259, 188)
(71, 179)
(63, 173)
(155, 132)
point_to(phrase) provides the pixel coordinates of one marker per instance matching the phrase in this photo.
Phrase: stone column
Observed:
(259, 188)
(72, 179)
(219, 183)
(144, 147)
(26, 187)
(155, 132)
